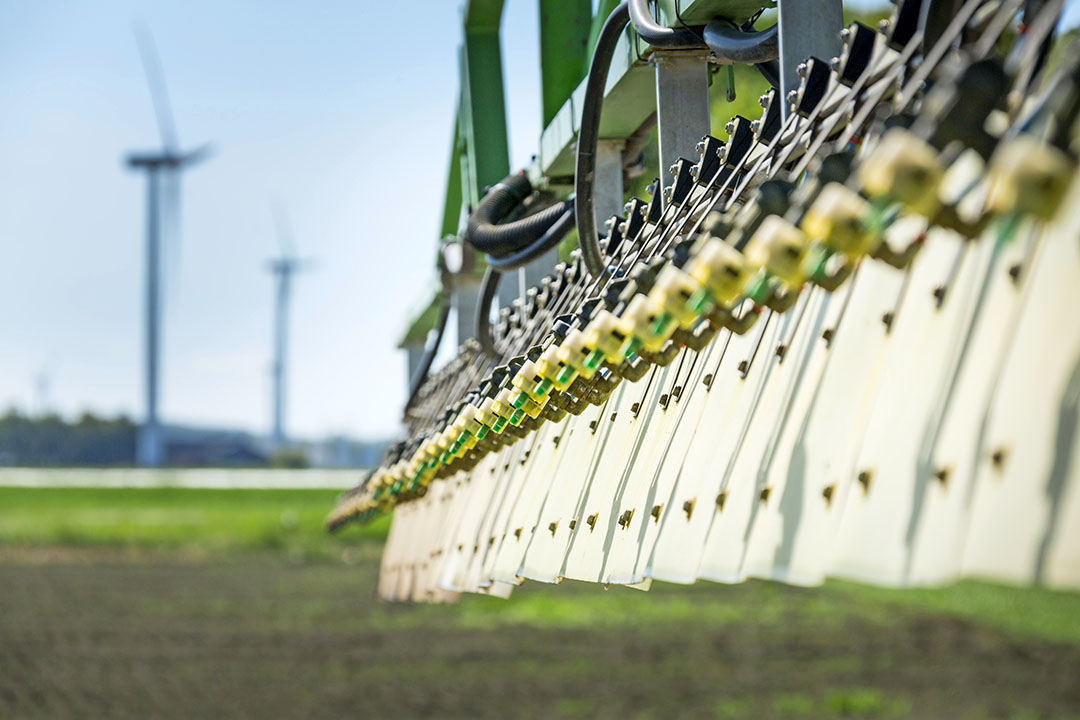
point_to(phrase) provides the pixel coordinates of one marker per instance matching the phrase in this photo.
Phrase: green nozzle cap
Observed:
(661, 323)
(700, 302)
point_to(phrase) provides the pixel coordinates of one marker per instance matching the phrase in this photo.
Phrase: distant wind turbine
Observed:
(163, 170)
(282, 268)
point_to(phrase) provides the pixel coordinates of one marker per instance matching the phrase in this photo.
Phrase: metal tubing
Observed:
(660, 37)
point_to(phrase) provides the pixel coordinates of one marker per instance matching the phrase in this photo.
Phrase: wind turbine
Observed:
(163, 170)
(282, 268)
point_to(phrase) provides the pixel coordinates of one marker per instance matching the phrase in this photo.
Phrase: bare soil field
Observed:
(111, 633)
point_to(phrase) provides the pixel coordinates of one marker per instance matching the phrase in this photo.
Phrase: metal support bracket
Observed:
(682, 101)
(807, 27)
(608, 182)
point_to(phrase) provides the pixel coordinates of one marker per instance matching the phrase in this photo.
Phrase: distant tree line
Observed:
(51, 440)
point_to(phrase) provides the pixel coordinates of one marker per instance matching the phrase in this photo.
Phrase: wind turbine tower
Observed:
(163, 168)
(282, 268)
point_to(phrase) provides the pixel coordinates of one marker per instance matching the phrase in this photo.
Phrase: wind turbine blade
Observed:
(159, 93)
(198, 155)
(284, 230)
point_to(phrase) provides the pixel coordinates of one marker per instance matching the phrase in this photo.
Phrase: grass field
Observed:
(197, 603)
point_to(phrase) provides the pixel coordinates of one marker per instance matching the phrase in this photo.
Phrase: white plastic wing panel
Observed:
(698, 488)
(822, 458)
(544, 558)
(725, 544)
(872, 544)
(1024, 514)
(534, 490)
(955, 436)
(778, 514)
(693, 404)
(476, 490)
(639, 495)
(540, 450)
(598, 518)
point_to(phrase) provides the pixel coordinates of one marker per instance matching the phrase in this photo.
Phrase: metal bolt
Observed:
(793, 96)
(801, 70)
(998, 458)
(834, 64)
(828, 492)
(700, 147)
(755, 126)
(729, 128)
(674, 169)
(763, 101)
(845, 35)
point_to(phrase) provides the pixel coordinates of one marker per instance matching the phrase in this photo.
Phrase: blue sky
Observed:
(345, 124)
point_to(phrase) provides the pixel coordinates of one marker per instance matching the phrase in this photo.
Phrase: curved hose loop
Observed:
(660, 37)
(731, 45)
(509, 263)
(429, 354)
(418, 378)
(541, 245)
(589, 136)
(488, 236)
(482, 323)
